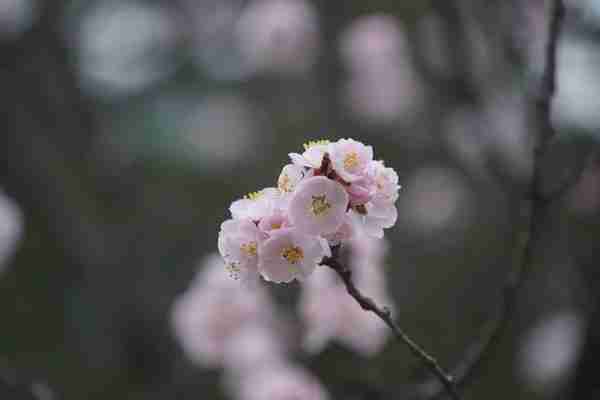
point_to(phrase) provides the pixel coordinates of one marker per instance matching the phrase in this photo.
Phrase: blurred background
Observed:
(128, 127)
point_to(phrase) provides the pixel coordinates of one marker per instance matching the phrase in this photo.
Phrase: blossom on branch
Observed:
(327, 194)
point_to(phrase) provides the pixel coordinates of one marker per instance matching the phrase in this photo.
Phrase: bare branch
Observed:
(367, 304)
(476, 354)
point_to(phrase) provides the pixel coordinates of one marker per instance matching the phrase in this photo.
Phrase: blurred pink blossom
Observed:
(550, 350)
(256, 345)
(330, 314)
(383, 85)
(214, 309)
(279, 36)
(277, 382)
(11, 228)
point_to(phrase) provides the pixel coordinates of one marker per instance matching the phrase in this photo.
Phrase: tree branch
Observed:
(539, 202)
(367, 304)
(493, 331)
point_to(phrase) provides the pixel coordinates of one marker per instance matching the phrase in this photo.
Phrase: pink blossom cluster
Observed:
(322, 198)
(220, 324)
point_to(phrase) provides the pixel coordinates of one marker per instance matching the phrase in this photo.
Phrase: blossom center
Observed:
(249, 248)
(313, 143)
(292, 254)
(319, 205)
(351, 160)
(254, 195)
(233, 270)
(276, 225)
(284, 183)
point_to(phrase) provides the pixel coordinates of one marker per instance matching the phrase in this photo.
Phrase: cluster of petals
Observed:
(322, 198)
(220, 324)
(214, 313)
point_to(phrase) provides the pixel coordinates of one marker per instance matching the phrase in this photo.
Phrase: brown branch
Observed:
(477, 353)
(490, 335)
(367, 304)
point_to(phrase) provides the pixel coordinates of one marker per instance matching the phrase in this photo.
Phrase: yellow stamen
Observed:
(312, 143)
(351, 160)
(319, 205)
(233, 270)
(284, 183)
(253, 195)
(292, 254)
(276, 225)
(249, 248)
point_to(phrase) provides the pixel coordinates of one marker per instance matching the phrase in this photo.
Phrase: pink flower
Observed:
(362, 190)
(239, 241)
(346, 231)
(312, 156)
(212, 310)
(350, 159)
(277, 220)
(386, 182)
(290, 254)
(278, 382)
(256, 205)
(290, 176)
(379, 216)
(318, 206)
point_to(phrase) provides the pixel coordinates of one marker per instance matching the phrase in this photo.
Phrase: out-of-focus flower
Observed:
(11, 228)
(549, 351)
(277, 382)
(506, 132)
(123, 46)
(279, 36)
(215, 309)
(211, 134)
(217, 131)
(255, 346)
(330, 314)
(589, 10)
(373, 42)
(437, 196)
(213, 42)
(383, 86)
(577, 102)
(16, 16)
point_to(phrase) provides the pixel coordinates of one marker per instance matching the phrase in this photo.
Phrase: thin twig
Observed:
(539, 203)
(493, 331)
(367, 304)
